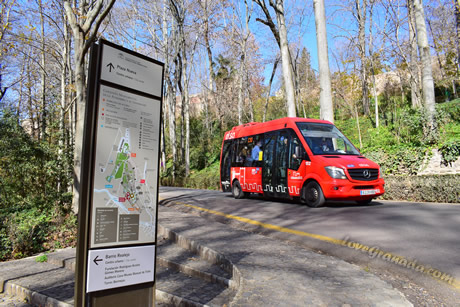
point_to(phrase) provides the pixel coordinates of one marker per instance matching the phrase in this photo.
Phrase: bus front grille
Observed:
(363, 174)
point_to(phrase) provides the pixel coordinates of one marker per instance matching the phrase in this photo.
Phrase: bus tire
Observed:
(312, 195)
(236, 190)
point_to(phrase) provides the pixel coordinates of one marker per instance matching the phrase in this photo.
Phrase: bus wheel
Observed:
(236, 190)
(312, 195)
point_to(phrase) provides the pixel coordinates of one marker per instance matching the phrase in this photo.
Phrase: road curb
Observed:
(32, 297)
(167, 298)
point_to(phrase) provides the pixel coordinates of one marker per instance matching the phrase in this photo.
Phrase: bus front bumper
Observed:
(347, 190)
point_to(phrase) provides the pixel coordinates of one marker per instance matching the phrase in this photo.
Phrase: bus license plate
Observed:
(369, 192)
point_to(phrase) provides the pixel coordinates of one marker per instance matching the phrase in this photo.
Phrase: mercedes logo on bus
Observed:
(366, 173)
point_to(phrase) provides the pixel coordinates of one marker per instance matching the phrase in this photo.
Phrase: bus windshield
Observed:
(326, 139)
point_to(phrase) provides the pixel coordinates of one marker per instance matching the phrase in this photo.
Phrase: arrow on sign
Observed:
(97, 260)
(110, 66)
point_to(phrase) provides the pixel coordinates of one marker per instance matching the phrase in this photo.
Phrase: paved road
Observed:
(418, 234)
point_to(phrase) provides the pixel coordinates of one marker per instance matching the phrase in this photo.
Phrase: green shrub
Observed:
(452, 108)
(399, 160)
(205, 179)
(42, 258)
(31, 202)
(27, 230)
(450, 152)
(429, 188)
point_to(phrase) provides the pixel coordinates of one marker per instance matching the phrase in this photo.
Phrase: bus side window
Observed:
(297, 153)
(256, 150)
(242, 152)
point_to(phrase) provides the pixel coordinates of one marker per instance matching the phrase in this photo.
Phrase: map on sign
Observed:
(125, 176)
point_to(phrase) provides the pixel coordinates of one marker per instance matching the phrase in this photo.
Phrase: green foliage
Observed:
(27, 230)
(30, 200)
(208, 178)
(398, 160)
(450, 152)
(205, 147)
(42, 258)
(451, 108)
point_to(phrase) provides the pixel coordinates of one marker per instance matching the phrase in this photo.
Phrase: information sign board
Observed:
(112, 268)
(129, 70)
(122, 190)
(125, 175)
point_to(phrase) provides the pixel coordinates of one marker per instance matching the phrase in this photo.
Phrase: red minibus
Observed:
(297, 158)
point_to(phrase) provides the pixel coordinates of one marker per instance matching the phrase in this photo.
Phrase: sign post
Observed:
(119, 186)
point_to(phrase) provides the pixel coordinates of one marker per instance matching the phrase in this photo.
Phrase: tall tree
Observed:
(280, 33)
(325, 97)
(427, 75)
(286, 61)
(5, 24)
(413, 60)
(457, 27)
(360, 13)
(241, 33)
(44, 111)
(372, 64)
(84, 17)
(275, 65)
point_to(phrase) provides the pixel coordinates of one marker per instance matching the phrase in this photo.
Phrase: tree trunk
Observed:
(84, 25)
(325, 98)
(210, 90)
(163, 139)
(427, 75)
(243, 71)
(186, 107)
(62, 127)
(278, 6)
(371, 56)
(23, 69)
(457, 27)
(357, 126)
(270, 88)
(361, 12)
(172, 124)
(438, 57)
(240, 94)
(413, 65)
(43, 113)
(285, 58)
(171, 94)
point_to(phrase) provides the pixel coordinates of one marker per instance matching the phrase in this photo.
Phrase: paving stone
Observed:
(12, 301)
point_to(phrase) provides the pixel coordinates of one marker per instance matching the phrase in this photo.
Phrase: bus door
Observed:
(225, 164)
(275, 164)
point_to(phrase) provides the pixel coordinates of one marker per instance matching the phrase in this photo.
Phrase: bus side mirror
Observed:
(297, 152)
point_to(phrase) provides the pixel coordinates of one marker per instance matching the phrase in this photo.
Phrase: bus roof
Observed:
(258, 128)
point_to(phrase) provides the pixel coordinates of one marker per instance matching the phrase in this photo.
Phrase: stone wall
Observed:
(433, 166)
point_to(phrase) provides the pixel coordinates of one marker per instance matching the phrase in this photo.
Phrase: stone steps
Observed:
(183, 278)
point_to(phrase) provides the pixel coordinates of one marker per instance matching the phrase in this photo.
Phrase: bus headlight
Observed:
(335, 172)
